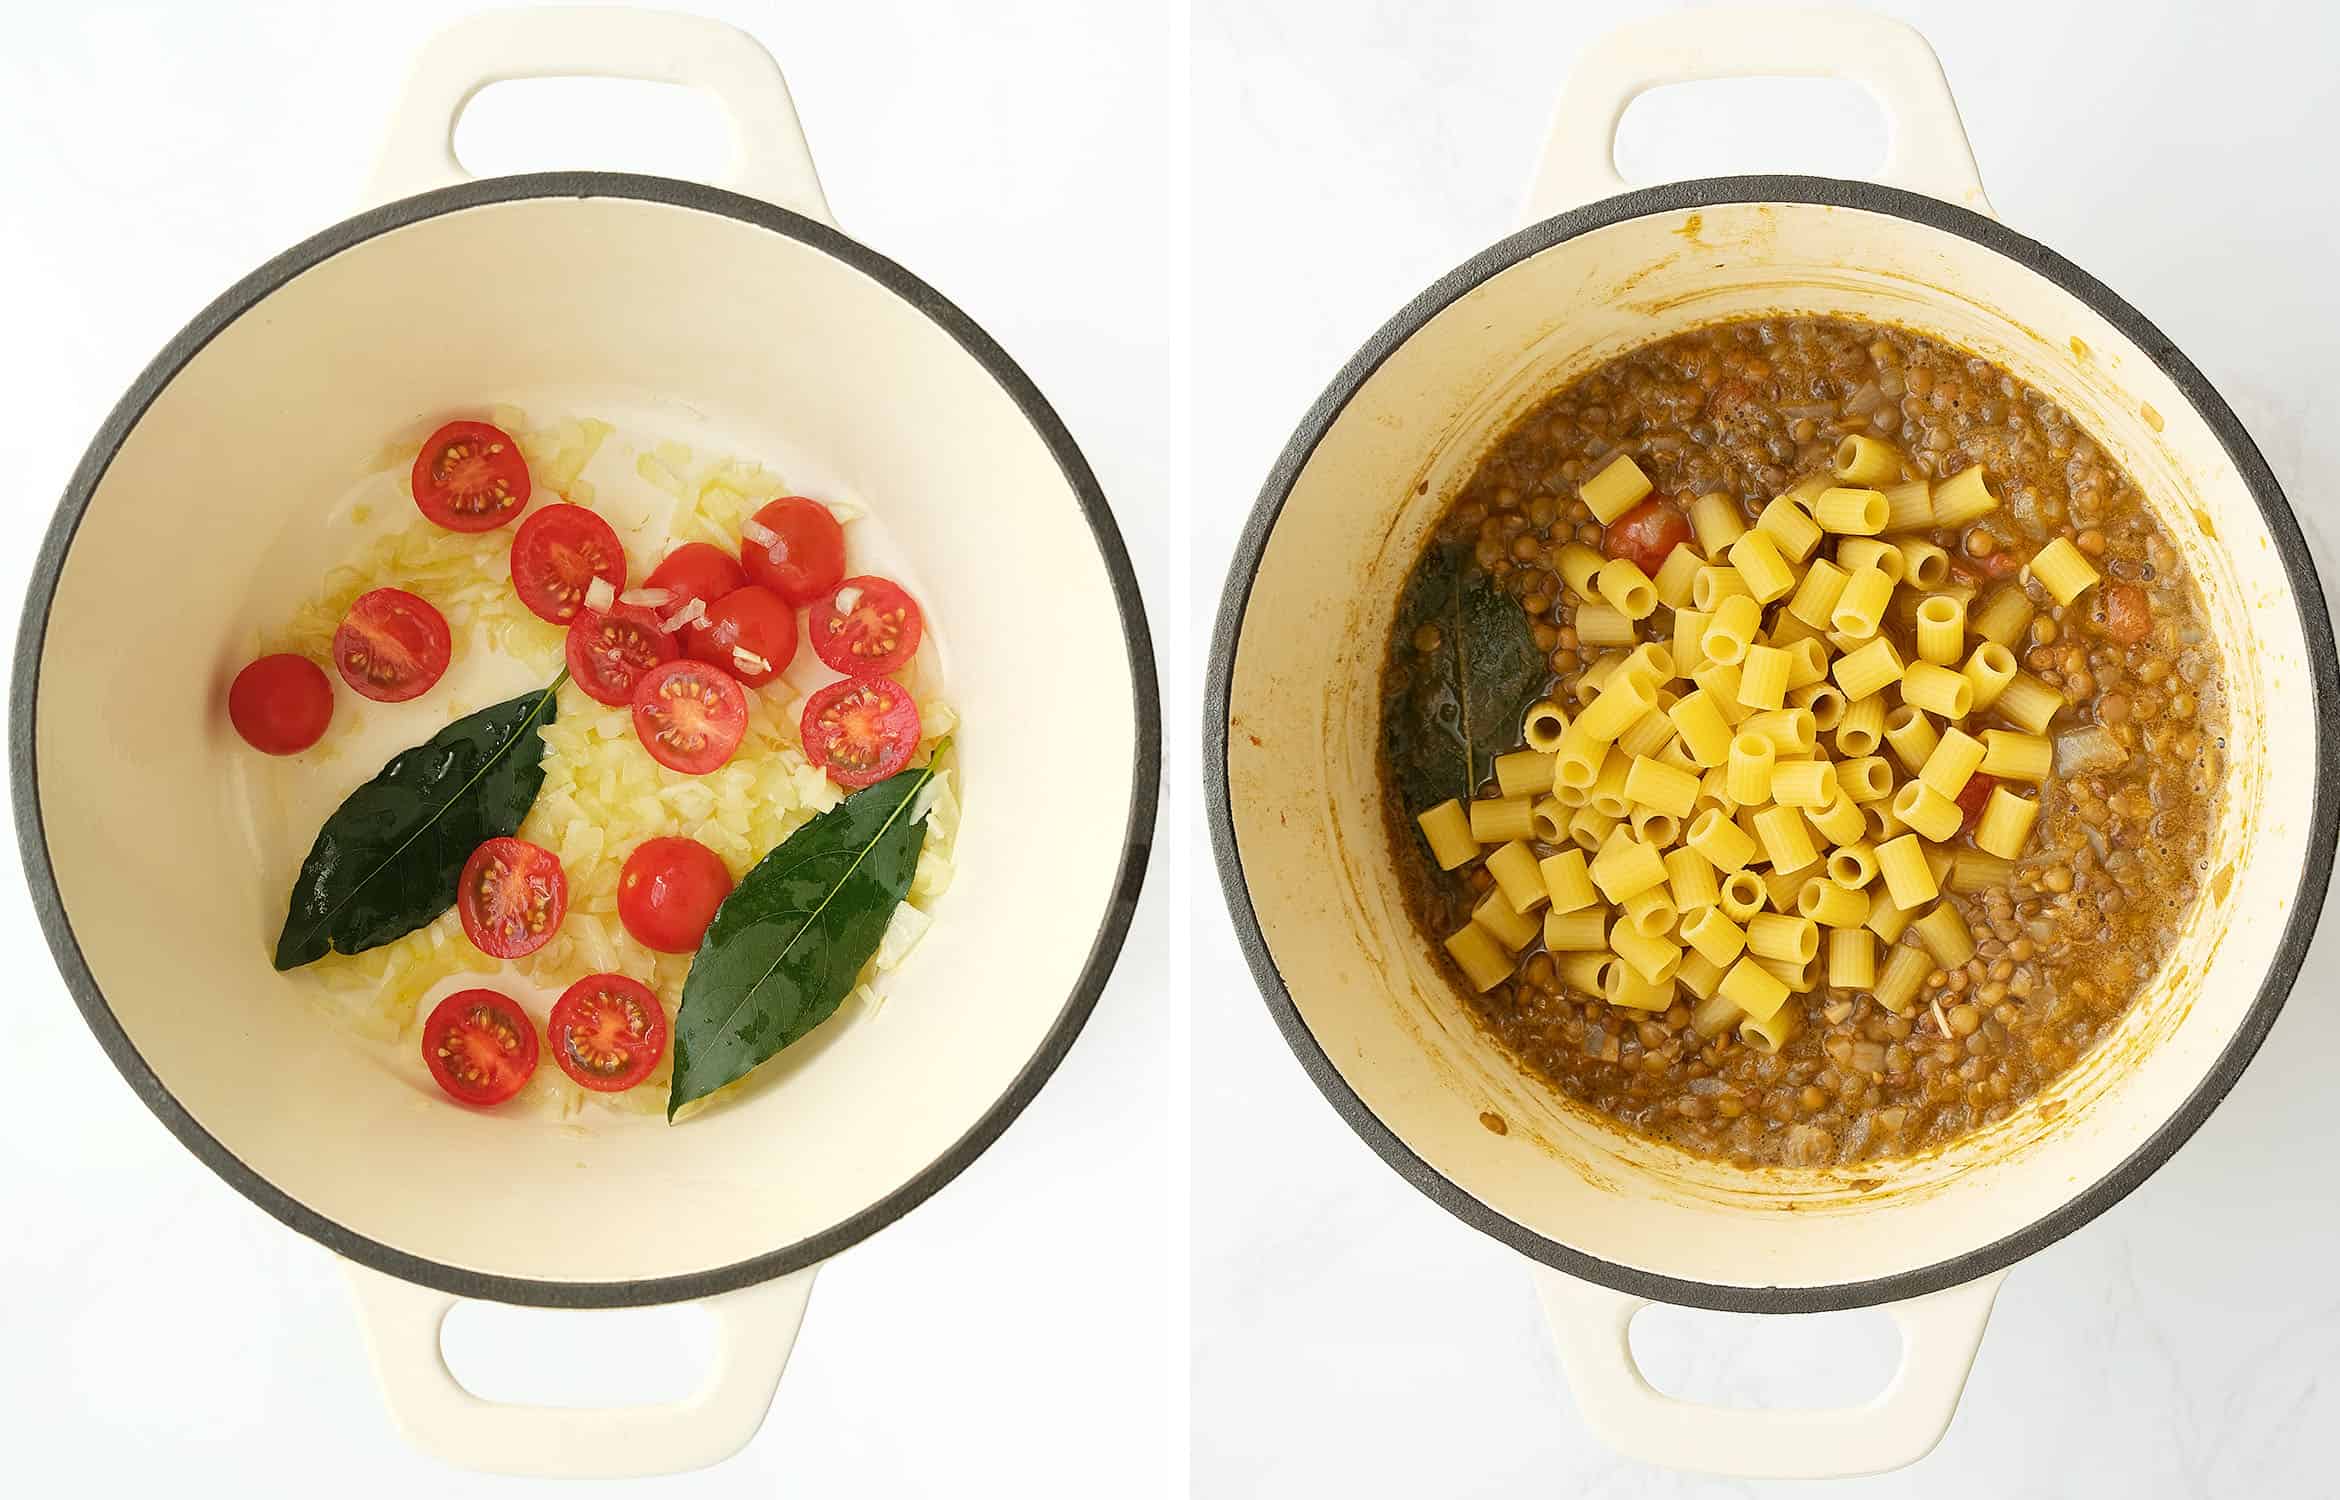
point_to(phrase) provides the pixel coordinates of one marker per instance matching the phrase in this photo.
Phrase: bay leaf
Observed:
(1452, 708)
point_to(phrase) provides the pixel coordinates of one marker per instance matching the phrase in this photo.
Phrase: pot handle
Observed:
(756, 1330)
(1927, 149)
(1940, 1335)
(769, 157)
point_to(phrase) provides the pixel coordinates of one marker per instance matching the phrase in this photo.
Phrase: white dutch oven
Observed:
(754, 320)
(1614, 1221)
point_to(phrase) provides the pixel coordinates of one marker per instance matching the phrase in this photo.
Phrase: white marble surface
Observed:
(157, 1332)
(1352, 1339)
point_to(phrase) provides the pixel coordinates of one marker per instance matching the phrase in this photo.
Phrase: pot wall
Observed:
(210, 518)
(1303, 719)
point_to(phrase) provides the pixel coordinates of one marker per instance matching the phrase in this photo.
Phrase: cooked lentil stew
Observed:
(1900, 1027)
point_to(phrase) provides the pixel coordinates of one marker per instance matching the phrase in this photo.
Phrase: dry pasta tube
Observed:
(1762, 567)
(1772, 1033)
(1763, 677)
(1690, 880)
(1814, 601)
(1626, 867)
(1743, 895)
(1887, 920)
(1715, 521)
(1583, 930)
(1567, 881)
(1714, 935)
(1786, 838)
(1577, 761)
(1929, 814)
(1754, 989)
(1912, 737)
(1511, 927)
(2005, 823)
(1807, 489)
(1971, 870)
(1851, 865)
(1676, 576)
(1780, 889)
(1705, 733)
(1823, 901)
(2004, 616)
(1807, 663)
(1483, 960)
(1701, 976)
(1909, 506)
(1904, 974)
(1989, 669)
(1851, 512)
(1868, 669)
(1615, 490)
(1608, 789)
(2012, 756)
(1673, 754)
(1447, 829)
(1731, 629)
(1720, 680)
(1653, 661)
(1652, 912)
(1580, 568)
(1715, 1012)
(1626, 696)
(1550, 817)
(2063, 571)
(1839, 822)
(1803, 783)
(1587, 973)
(1953, 762)
(1857, 552)
(1797, 977)
(1631, 991)
(1791, 527)
(1627, 588)
(1516, 876)
(1909, 880)
(1786, 630)
(1649, 734)
(1941, 629)
(1792, 731)
(1937, 690)
(1963, 498)
(1865, 460)
(1653, 958)
(1543, 726)
(1861, 604)
(1881, 820)
(1715, 583)
(1689, 635)
(1590, 829)
(1944, 933)
(1604, 625)
(1524, 773)
(1865, 778)
(1852, 958)
(1721, 841)
(1792, 939)
(2030, 702)
(1862, 728)
(1923, 564)
(1823, 701)
(1498, 820)
(1749, 769)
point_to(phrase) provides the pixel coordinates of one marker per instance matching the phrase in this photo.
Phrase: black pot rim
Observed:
(1105, 947)
(2290, 546)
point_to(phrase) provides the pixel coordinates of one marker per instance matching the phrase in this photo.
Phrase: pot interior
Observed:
(211, 521)
(1303, 722)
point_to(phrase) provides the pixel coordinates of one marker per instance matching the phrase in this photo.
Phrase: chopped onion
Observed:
(748, 661)
(647, 598)
(848, 599)
(845, 512)
(928, 795)
(757, 532)
(2092, 748)
(599, 596)
(692, 610)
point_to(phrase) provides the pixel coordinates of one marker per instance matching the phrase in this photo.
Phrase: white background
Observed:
(1017, 1332)
(1352, 1339)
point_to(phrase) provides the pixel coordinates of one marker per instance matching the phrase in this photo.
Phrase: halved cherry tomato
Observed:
(392, 646)
(689, 715)
(479, 1046)
(668, 892)
(867, 627)
(281, 704)
(750, 634)
(511, 896)
(861, 730)
(695, 570)
(809, 557)
(607, 1032)
(470, 477)
(557, 554)
(1972, 797)
(608, 653)
(1646, 533)
(2128, 613)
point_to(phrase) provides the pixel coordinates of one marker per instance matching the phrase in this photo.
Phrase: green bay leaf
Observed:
(1454, 705)
(388, 860)
(785, 946)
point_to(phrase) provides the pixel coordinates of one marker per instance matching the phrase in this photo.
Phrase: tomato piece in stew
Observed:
(867, 627)
(479, 1046)
(607, 1032)
(750, 633)
(556, 555)
(609, 651)
(470, 476)
(1646, 533)
(281, 704)
(391, 646)
(511, 896)
(689, 715)
(860, 730)
(806, 555)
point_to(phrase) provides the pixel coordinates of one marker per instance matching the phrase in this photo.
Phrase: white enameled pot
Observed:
(1611, 1220)
(742, 315)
